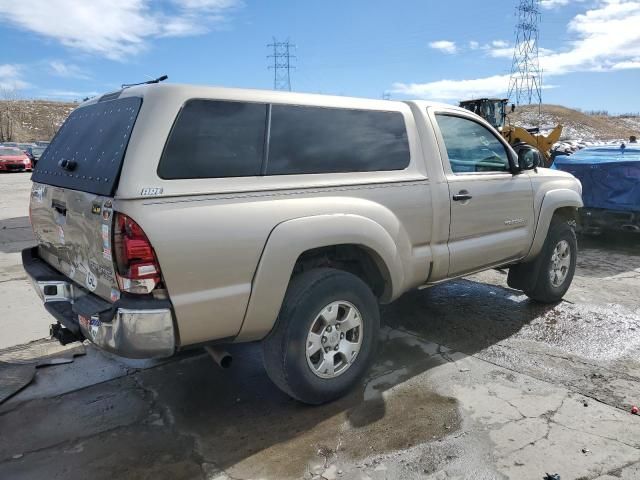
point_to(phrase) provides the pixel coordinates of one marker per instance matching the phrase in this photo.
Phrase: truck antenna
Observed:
(148, 82)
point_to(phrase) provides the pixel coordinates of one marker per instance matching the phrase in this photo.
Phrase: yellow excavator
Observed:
(494, 111)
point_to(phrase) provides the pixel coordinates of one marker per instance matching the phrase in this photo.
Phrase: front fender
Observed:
(290, 239)
(552, 201)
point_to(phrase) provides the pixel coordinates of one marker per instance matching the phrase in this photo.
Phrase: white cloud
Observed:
(445, 46)
(67, 70)
(114, 29)
(550, 4)
(211, 5)
(495, 48)
(455, 89)
(500, 52)
(11, 77)
(626, 65)
(495, 86)
(500, 49)
(606, 38)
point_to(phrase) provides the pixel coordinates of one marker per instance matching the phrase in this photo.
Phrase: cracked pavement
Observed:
(472, 381)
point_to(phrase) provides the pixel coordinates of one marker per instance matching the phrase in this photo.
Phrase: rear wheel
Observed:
(557, 264)
(325, 336)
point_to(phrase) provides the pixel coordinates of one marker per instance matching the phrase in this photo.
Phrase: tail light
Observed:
(138, 267)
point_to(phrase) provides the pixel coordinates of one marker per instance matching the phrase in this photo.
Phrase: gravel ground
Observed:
(473, 381)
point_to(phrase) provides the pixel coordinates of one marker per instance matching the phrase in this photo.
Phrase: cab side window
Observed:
(472, 147)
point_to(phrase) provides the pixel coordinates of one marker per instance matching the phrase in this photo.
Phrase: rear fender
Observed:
(290, 239)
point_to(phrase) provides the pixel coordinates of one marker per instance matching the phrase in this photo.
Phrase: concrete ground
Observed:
(473, 381)
(22, 318)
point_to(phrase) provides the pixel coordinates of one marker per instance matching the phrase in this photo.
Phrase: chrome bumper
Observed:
(130, 327)
(132, 333)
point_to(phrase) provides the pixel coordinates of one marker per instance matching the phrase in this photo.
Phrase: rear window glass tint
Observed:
(95, 137)
(329, 140)
(213, 139)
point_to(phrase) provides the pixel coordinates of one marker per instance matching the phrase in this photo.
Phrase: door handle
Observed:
(461, 196)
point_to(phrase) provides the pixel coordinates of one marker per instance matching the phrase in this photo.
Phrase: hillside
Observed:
(578, 125)
(30, 120)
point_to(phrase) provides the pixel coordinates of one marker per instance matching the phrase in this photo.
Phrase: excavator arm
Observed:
(543, 143)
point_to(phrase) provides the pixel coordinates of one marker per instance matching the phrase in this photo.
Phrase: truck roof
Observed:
(258, 95)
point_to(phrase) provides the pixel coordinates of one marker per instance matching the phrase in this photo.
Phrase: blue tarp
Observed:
(610, 176)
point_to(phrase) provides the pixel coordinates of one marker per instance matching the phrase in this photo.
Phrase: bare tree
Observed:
(10, 114)
(50, 128)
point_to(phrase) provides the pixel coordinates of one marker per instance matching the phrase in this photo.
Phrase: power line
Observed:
(525, 83)
(281, 64)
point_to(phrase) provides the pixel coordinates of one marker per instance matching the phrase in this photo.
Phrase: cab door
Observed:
(492, 217)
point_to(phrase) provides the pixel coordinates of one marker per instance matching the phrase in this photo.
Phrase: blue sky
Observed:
(68, 49)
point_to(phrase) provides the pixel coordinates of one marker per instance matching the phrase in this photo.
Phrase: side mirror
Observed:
(529, 158)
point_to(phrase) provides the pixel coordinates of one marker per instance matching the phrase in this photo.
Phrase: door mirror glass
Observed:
(529, 158)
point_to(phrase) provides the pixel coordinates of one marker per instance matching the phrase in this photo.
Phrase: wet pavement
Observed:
(473, 381)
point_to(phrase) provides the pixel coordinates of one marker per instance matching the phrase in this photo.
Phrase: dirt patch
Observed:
(398, 420)
(411, 416)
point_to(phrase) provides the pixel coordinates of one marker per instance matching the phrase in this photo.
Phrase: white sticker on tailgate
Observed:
(91, 282)
(38, 193)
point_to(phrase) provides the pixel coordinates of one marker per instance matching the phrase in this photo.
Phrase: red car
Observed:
(14, 160)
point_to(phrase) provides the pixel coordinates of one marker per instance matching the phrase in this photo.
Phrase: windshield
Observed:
(10, 152)
(493, 112)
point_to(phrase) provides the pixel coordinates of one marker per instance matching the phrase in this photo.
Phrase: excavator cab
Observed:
(493, 110)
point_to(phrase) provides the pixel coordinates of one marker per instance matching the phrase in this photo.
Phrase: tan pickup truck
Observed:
(173, 216)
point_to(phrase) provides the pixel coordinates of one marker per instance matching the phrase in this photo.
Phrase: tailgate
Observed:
(74, 184)
(74, 234)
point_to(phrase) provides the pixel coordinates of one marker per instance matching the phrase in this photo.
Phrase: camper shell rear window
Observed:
(92, 143)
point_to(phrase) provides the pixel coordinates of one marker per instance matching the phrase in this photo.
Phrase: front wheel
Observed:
(325, 336)
(557, 264)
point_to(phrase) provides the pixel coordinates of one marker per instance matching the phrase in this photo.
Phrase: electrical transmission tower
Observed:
(525, 84)
(281, 64)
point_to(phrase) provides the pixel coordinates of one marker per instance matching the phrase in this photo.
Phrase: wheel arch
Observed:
(358, 259)
(560, 203)
(320, 240)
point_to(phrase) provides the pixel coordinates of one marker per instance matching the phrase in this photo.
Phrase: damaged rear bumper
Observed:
(131, 327)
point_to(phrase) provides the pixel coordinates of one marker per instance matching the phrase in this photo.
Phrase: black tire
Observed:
(543, 290)
(284, 349)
